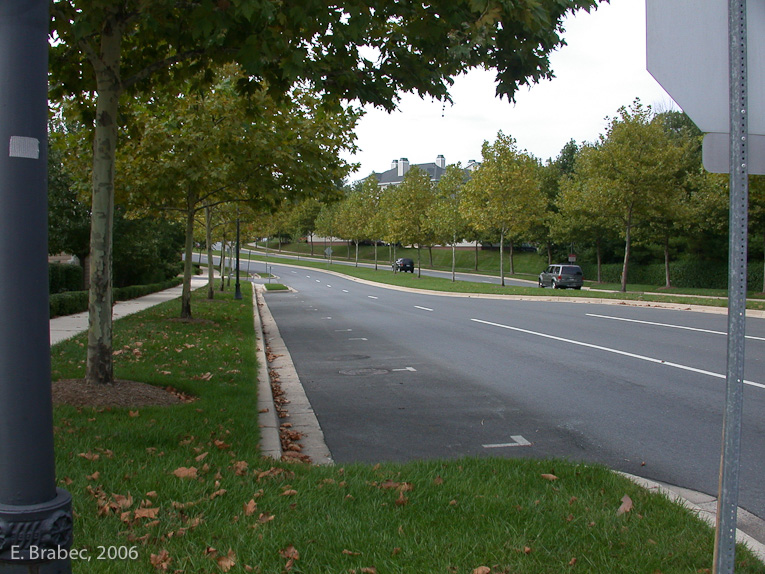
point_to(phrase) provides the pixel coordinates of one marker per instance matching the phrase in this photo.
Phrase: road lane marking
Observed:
(345, 290)
(343, 330)
(518, 440)
(372, 297)
(423, 308)
(410, 369)
(358, 339)
(669, 325)
(616, 352)
(328, 285)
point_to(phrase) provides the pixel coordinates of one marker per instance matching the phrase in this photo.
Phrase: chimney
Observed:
(441, 161)
(394, 164)
(403, 166)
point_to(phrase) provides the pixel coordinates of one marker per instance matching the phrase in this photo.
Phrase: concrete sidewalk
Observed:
(62, 328)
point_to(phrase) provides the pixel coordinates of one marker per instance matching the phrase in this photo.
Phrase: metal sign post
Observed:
(727, 501)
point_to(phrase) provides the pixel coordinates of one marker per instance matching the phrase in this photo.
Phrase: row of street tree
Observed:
(153, 71)
(641, 183)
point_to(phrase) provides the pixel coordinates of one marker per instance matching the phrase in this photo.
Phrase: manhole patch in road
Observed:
(349, 358)
(362, 372)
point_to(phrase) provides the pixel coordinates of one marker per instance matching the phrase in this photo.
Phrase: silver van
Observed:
(562, 277)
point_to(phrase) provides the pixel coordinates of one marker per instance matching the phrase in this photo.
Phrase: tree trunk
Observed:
(310, 237)
(210, 266)
(627, 246)
(502, 258)
(223, 261)
(357, 252)
(476, 255)
(512, 258)
(430, 253)
(419, 262)
(549, 253)
(667, 284)
(599, 256)
(375, 255)
(100, 366)
(454, 256)
(186, 293)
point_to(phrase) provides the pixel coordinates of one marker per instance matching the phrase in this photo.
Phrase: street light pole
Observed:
(35, 516)
(237, 289)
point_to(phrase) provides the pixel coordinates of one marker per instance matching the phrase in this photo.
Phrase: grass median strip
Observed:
(183, 487)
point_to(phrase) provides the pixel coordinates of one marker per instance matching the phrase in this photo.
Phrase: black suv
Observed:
(403, 264)
(561, 277)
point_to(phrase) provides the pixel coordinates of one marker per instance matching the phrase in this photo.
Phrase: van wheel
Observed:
(554, 285)
(541, 285)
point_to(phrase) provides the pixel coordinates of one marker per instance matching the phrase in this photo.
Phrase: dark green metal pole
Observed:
(35, 516)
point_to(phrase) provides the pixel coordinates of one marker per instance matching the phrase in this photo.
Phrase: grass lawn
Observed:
(184, 489)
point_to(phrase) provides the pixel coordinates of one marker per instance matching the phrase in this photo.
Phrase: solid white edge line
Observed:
(615, 351)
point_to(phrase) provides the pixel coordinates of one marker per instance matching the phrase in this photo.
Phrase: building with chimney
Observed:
(399, 167)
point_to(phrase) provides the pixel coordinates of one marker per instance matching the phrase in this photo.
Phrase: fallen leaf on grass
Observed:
(291, 554)
(482, 570)
(146, 512)
(183, 472)
(289, 492)
(626, 505)
(250, 508)
(549, 477)
(351, 553)
(89, 456)
(226, 562)
(161, 561)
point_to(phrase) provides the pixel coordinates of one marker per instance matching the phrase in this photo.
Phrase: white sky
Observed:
(601, 69)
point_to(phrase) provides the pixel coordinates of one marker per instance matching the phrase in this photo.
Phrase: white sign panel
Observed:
(687, 53)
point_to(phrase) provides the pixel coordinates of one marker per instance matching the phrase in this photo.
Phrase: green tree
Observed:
(370, 190)
(352, 218)
(637, 162)
(114, 49)
(303, 219)
(503, 195)
(204, 149)
(443, 218)
(406, 205)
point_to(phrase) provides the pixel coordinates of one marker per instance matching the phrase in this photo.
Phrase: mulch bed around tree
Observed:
(122, 394)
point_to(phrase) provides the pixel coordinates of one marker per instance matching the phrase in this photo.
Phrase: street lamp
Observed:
(237, 290)
(35, 516)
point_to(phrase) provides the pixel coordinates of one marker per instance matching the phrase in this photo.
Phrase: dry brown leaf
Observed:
(351, 553)
(291, 554)
(402, 500)
(289, 492)
(250, 508)
(226, 562)
(218, 493)
(183, 472)
(95, 476)
(201, 457)
(147, 512)
(572, 562)
(123, 501)
(626, 505)
(161, 561)
(372, 570)
(263, 518)
(89, 456)
(550, 477)
(482, 570)
(240, 467)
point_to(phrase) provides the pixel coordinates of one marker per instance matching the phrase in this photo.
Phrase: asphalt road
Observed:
(396, 376)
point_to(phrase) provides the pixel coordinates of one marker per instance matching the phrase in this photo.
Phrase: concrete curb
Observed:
(301, 414)
(268, 422)
(705, 507)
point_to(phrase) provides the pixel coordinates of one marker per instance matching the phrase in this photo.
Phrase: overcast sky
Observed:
(601, 69)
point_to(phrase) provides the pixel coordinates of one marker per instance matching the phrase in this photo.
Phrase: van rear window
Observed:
(570, 270)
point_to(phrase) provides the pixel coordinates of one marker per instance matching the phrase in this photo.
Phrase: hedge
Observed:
(77, 301)
(689, 274)
(64, 277)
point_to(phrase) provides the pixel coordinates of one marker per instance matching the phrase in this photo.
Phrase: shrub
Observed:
(63, 277)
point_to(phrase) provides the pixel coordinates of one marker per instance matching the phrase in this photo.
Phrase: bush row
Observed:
(688, 274)
(77, 301)
(63, 277)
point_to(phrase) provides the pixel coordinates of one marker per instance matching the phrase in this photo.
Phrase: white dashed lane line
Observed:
(423, 308)
(615, 351)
